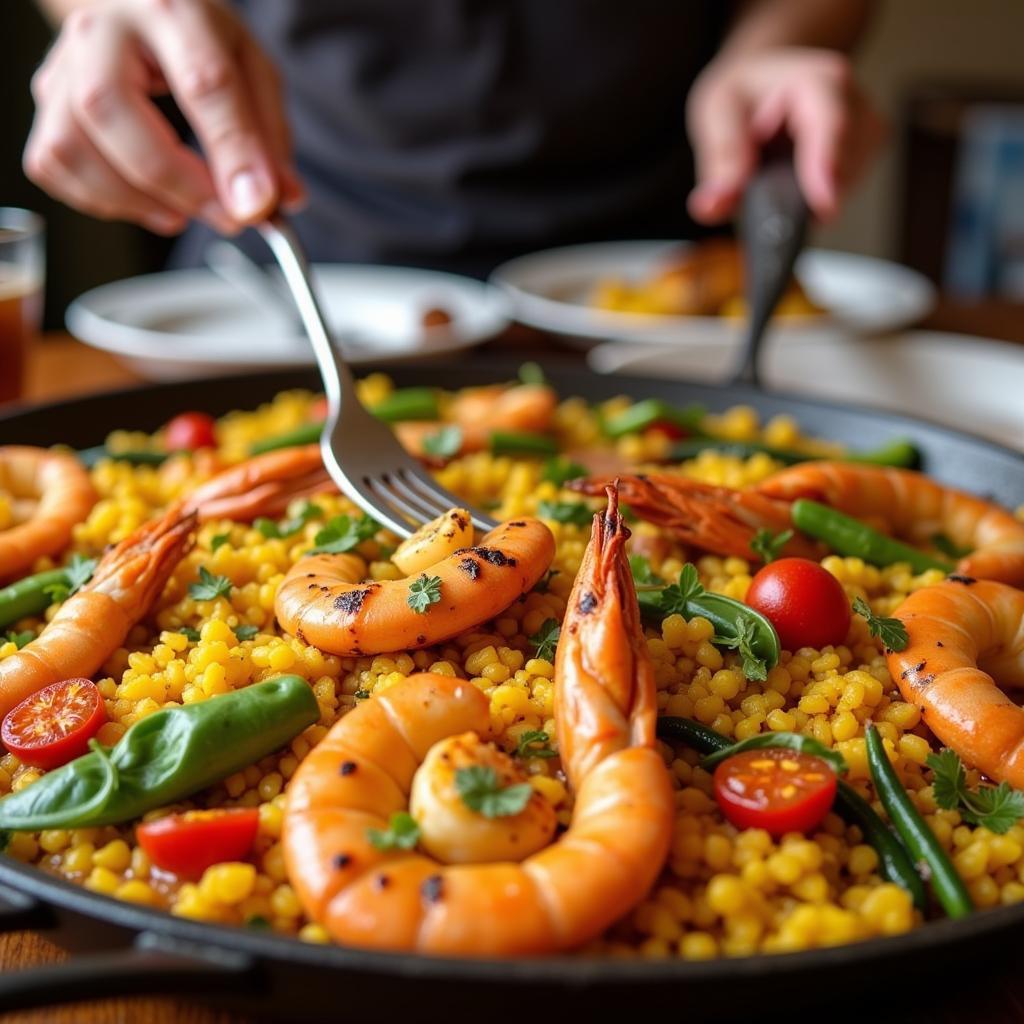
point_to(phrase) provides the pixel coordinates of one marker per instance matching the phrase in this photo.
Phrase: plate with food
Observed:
(708, 709)
(187, 323)
(691, 293)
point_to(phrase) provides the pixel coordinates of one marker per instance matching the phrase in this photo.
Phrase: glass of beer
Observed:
(21, 294)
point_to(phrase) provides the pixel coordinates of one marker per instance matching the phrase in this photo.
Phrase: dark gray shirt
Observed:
(458, 133)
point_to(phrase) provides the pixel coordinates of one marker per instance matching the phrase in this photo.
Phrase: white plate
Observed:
(550, 290)
(973, 384)
(186, 323)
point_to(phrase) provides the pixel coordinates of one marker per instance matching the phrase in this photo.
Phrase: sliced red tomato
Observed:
(54, 725)
(805, 603)
(189, 431)
(777, 790)
(671, 430)
(318, 409)
(187, 844)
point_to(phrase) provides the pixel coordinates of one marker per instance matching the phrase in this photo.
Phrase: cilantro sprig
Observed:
(288, 527)
(423, 592)
(574, 512)
(643, 574)
(481, 791)
(209, 587)
(997, 808)
(675, 597)
(561, 469)
(20, 639)
(768, 546)
(245, 632)
(402, 833)
(545, 640)
(891, 632)
(343, 533)
(534, 743)
(78, 572)
(445, 444)
(754, 667)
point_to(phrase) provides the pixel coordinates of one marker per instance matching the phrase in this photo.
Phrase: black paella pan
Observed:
(122, 949)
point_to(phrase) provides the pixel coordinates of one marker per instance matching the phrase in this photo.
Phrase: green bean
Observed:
(408, 404)
(90, 457)
(165, 757)
(506, 442)
(900, 452)
(848, 536)
(308, 433)
(28, 596)
(894, 863)
(786, 740)
(943, 879)
(653, 410)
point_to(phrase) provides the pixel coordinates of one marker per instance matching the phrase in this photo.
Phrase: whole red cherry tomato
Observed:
(54, 725)
(777, 790)
(187, 844)
(189, 431)
(805, 603)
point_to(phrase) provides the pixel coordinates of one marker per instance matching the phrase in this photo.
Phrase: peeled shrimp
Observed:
(323, 601)
(492, 887)
(92, 624)
(966, 641)
(52, 493)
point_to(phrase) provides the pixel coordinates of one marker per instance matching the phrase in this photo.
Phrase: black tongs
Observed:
(773, 224)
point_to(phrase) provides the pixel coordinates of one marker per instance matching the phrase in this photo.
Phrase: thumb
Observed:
(724, 151)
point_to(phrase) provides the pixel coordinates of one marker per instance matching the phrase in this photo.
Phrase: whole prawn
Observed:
(497, 889)
(966, 641)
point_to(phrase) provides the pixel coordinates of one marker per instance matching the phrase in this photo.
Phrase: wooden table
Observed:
(61, 367)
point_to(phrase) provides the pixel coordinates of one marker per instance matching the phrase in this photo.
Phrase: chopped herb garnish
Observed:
(560, 469)
(361, 694)
(218, 540)
(79, 571)
(532, 373)
(643, 574)
(768, 546)
(942, 543)
(674, 597)
(402, 833)
(566, 512)
(546, 639)
(246, 632)
(891, 632)
(288, 527)
(423, 592)
(444, 444)
(190, 634)
(343, 533)
(997, 808)
(209, 587)
(535, 743)
(20, 639)
(482, 792)
(753, 667)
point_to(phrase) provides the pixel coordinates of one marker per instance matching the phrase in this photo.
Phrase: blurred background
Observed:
(954, 94)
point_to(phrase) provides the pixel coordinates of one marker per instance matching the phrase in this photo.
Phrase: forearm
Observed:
(761, 25)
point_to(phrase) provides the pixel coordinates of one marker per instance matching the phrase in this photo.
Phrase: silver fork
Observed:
(360, 452)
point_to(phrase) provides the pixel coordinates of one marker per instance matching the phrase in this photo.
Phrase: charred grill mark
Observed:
(382, 881)
(518, 522)
(432, 888)
(342, 860)
(459, 520)
(965, 580)
(491, 555)
(348, 768)
(471, 567)
(300, 636)
(939, 643)
(351, 601)
(587, 603)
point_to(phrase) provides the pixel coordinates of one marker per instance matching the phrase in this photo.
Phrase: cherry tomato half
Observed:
(187, 844)
(671, 430)
(318, 409)
(189, 431)
(54, 726)
(805, 603)
(777, 790)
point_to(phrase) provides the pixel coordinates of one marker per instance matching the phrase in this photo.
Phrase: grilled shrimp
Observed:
(966, 640)
(491, 886)
(52, 493)
(323, 601)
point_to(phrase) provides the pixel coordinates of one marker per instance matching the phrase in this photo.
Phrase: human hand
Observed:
(740, 102)
(100, 144)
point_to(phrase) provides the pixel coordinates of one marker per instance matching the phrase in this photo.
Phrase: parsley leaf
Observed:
(643, 574)
(445, 444)
(190, 634)
(546, 639)
(566, 512)
(942, 543)
(997, 808)
(891, 632)
(543, 585)
(20, 639)
(78, 572)
(753, 667)
(402, 833)
(209, 587)
(288, 527)
(221, 538)
(534, 743)
(343, 533)
(532, 373)
(245, 632)
(675, 597)
(482, 792)
(768, 546)
(423, 592)
(558, 470)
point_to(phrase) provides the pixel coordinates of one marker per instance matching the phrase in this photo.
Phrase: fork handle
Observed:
(287, 249)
